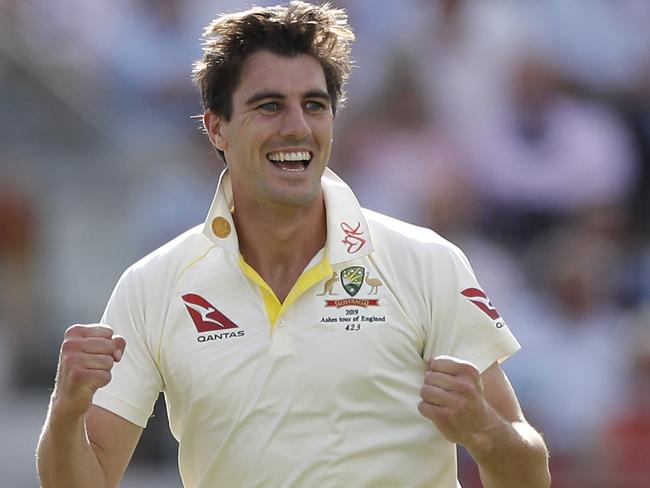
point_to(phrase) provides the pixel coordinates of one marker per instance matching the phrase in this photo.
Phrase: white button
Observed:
(281, 323)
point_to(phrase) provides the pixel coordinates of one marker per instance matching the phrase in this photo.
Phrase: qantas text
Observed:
(220, 336)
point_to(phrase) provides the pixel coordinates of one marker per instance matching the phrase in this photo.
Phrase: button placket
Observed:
(281, 340)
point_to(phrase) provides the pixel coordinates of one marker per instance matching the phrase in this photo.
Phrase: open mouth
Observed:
(292, 161)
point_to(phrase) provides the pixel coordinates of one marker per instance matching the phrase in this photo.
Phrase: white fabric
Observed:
(329, 396)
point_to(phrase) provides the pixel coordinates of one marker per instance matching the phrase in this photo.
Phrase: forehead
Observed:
(266, 71)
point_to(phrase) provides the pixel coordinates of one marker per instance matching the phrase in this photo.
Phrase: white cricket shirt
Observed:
(320, 391)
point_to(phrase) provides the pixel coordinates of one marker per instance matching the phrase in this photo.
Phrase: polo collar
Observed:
(219, 225)
(348, 235)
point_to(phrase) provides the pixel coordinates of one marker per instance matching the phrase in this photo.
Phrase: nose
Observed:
(294, 123)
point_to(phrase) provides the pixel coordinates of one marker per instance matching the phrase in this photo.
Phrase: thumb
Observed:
(120, 345)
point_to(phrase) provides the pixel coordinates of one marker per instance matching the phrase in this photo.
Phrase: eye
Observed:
(269, 107)
(314, 106)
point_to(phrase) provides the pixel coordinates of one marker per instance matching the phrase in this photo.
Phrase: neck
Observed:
(279, 243)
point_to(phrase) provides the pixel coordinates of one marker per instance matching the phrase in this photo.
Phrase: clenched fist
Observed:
(87, 356)
(453, 399)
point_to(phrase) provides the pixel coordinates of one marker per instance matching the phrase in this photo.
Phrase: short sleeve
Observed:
(136, 380)
(464, 322)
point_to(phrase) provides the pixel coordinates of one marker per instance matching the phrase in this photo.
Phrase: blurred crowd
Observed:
(518, 130)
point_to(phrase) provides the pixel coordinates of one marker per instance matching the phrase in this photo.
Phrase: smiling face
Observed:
(278, 140)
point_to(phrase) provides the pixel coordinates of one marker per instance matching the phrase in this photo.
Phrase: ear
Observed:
(213, 125)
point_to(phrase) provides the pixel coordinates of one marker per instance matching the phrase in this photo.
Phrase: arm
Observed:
(482, 413)
(82, 445)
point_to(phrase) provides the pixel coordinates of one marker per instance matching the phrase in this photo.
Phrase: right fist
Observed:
(87, 356)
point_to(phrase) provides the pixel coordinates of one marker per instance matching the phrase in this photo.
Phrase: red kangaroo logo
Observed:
(480, 299)
(204, 315)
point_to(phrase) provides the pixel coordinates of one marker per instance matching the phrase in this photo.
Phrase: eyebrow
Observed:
(318, 94)
(256, 97)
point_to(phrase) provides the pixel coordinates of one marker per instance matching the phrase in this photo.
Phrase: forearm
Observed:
(65, 457)
(512, 455)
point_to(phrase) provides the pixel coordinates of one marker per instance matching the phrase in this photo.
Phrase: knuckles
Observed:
(80, 377)
(458, 366)
(423, 408)
(473, 373)
(428, 411)
(427, 393)
(430, 378)
(71, 345)
(88, 330)
(463, 385)
(74, 330)
(465, 388)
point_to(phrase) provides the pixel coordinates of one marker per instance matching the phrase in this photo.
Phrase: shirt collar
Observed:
(348, 236)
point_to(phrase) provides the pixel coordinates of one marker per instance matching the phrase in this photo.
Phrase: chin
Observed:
(295, 199)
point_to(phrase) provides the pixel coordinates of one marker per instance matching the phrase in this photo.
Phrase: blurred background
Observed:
(519, 130)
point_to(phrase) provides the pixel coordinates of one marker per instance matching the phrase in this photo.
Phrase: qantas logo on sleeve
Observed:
(205, 315)
(480, 299)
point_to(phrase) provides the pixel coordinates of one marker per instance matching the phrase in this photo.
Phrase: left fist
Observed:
(453, 399)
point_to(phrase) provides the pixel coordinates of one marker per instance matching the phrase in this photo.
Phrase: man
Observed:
(295, 336)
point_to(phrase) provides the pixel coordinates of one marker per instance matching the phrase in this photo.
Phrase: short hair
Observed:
(289, 30)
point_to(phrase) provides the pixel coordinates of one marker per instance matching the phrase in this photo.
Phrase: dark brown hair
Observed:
(288, 30)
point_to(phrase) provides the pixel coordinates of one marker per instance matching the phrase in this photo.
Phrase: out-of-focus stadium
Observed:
(518, 130)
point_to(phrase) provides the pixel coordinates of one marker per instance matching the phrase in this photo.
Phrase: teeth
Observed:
(290, 156)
